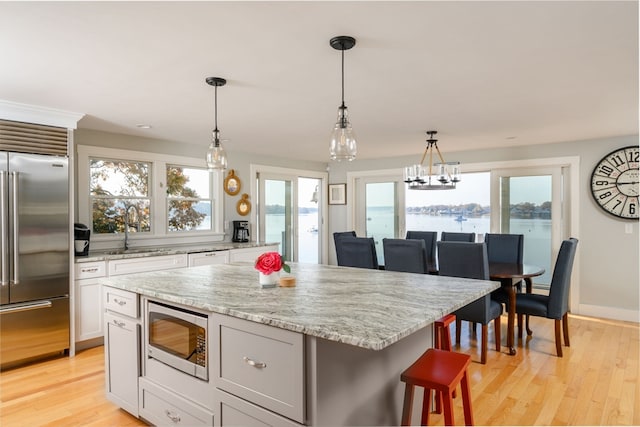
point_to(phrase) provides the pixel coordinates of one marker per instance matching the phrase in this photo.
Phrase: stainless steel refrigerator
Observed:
(34, 269)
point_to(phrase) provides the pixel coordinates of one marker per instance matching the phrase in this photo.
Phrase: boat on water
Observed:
(460, 218)
(312, 229)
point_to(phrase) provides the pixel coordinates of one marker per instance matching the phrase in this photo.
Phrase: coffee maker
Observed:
(81, 234)
(240, 231)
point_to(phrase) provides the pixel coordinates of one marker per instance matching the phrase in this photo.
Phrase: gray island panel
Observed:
(371, 309)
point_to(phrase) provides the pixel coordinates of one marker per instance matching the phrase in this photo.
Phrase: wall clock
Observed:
(614, 183)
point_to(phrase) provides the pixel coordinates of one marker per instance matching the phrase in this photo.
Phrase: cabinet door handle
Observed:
(119, 302)
(210, 254)
(253, 363)
(119, 323)
(172, 416)
(90, 270)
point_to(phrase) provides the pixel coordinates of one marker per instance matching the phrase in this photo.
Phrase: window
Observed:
(119, 195)
(189, 199)
(155, 196)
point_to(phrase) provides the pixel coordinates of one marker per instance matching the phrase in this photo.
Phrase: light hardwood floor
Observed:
(595, 383)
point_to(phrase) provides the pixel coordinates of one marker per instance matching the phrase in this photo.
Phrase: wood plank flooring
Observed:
(595, 383)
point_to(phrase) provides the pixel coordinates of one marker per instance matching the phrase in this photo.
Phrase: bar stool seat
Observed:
(441, 371)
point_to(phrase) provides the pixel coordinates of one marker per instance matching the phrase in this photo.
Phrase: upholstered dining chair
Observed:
(505, 248)
(469, 260)
(406, 255)
(357, 252)
(555, 305)
(448, 236)
(430, 238)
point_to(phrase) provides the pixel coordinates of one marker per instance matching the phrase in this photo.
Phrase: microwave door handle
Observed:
(16, 273)
(4, 235)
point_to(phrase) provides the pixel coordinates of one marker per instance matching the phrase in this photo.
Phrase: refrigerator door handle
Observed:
(4, 234)
(16, 273)
(35, 306)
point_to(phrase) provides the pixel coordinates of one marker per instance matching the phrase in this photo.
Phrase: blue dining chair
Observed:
(357, 252)
(555, 305)
(406, 255)
(469, 260)
(448, 236)
(430, 238)
(505, 248)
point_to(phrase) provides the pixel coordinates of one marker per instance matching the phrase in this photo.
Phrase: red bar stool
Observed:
(441, 371)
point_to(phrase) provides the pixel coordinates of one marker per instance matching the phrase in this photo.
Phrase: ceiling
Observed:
(484, 74)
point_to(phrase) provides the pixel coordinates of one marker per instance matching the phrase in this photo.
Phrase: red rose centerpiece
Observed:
(269, 265)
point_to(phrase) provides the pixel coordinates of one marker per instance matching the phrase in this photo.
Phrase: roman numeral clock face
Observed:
(614, 183)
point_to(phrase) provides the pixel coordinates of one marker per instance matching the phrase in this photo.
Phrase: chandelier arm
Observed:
(442, 161)
(426, 150)
(430, 163)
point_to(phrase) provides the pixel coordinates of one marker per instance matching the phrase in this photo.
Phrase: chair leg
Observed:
(558, 341)
(407, 406)
(565, 328)
(529, 331)
(520, 316)
(497, 326)
(485, 338)
(458, 327)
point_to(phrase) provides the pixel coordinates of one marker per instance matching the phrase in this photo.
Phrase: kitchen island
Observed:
(356, 330)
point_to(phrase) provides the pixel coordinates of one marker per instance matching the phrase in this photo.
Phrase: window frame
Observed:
(159, 201)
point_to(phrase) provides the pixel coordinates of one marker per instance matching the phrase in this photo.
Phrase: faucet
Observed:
(126, 224)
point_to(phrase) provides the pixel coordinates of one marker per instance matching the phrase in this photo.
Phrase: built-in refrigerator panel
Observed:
(34, 266)
(42, 226)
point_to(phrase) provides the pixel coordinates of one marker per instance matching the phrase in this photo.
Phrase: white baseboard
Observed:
(608, 313)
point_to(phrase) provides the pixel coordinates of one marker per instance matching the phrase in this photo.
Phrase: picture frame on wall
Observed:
(337, 194)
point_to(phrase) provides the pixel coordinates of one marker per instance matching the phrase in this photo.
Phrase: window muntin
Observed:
(189, 199)
(119, 196)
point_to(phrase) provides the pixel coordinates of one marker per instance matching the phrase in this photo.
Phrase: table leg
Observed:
(529, 284)
(511, 291)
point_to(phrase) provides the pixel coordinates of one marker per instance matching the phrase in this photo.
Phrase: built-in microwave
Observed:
(178, 338)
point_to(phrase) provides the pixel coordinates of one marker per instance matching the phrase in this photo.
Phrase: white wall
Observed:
(607, 258)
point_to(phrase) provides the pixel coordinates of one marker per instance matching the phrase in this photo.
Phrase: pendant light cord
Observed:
(215, 108)
(343, 77)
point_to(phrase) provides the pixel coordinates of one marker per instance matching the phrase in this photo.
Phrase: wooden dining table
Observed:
(509, 274)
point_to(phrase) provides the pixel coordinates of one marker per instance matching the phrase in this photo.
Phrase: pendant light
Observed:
(343, 139)
(216, 156)
(438, 176)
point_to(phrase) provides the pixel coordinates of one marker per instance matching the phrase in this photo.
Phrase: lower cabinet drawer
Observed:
(121, 301)
(164, 408)
(233, 411)
(262, 364)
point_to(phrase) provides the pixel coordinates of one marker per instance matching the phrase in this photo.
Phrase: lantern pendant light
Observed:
(216, 156)
(343, 139)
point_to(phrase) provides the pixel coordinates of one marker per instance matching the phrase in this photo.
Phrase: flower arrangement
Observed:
(270, 262)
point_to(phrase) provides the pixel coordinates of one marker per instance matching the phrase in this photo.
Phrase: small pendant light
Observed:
(343, 139)
(216, 156)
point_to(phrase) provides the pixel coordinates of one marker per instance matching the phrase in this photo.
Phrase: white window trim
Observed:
(255, 169)
(159, 235)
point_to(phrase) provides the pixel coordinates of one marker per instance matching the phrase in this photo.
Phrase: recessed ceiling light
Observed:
(143, 126)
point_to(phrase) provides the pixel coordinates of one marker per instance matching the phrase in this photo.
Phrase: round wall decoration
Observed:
(614, 183)
(243, 207)
(232, 183)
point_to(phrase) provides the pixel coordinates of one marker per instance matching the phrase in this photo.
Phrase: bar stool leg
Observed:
(448, 410)
(426, 406)
(466, 399)
(407, 406)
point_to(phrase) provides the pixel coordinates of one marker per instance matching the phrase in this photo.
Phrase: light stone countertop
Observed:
(371, 309)
(149, 251)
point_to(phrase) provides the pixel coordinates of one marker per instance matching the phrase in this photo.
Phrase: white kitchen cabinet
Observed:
(149, 263)
(233, 411)
(208, 258)
(250, 254)
(162, 407)
(262, 364)
(122, 343)
(88, 300)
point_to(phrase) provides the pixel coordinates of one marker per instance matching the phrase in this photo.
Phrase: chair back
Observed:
(357, 252)
(558, 303)
(339, 235)
(430, 238)
(463, 259)
(448, 236)
(408, 256)
(505, 247)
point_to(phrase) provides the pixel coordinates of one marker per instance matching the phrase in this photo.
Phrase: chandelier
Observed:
(216, 156)
(437, 176)
(343, 139)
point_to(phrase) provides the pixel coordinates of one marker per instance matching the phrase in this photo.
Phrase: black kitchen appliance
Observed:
(82, 235)
(240, 231)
